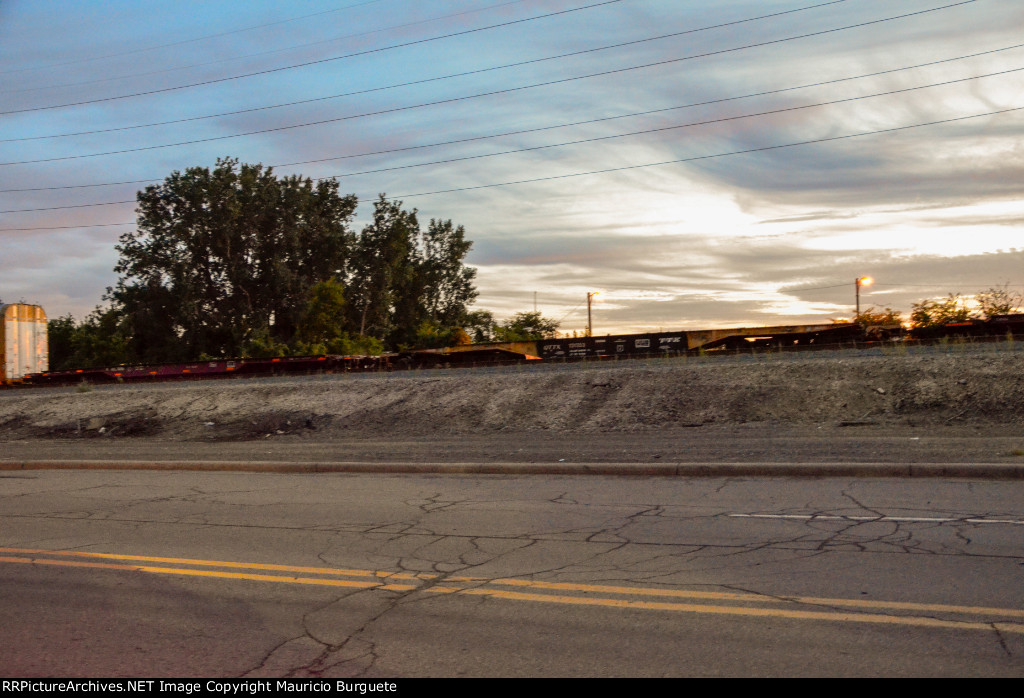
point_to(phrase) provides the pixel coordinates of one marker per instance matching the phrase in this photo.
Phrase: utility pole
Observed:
(590, 323)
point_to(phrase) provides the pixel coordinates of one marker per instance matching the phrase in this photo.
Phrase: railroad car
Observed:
(659, 343)
(24, 349)
(220, 368)
(996, 327)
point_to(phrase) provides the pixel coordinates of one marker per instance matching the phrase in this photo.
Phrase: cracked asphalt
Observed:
(132, 573)
(824, 528)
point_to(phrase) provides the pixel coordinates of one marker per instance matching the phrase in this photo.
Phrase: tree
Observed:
(60, 334)
(998, 301)
(524, 327)
(955, 308)
(99, 340)
(448, 283)
(324, 317)
(409, 286)
(431, 335)
(235, 261)
(226, 257)
(930, 312)
(874, 316)
(383, 262)
(322, 327)
(479, 325)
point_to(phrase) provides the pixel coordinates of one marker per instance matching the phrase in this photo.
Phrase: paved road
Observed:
(242, 574)
(743, 443)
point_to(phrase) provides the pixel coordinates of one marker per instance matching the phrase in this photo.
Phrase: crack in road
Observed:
(829, 543)
(478, 533)
(1001, 640)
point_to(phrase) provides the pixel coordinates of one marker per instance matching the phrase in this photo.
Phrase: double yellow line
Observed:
(601, 595)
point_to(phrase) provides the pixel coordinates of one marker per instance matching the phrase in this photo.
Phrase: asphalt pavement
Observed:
(755, 450)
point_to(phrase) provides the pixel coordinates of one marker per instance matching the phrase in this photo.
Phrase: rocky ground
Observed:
(938, 387)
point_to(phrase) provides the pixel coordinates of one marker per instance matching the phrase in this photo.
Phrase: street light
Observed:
(858, 282)
(590, 324)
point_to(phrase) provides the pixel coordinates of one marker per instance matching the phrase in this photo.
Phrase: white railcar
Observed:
(24, 346)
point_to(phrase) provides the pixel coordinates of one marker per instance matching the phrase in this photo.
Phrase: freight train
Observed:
(672, 343)
(25, 350)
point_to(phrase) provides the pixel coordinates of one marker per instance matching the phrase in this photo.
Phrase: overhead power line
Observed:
(187, 41)
(624, 168)
(660, 129)
(697, 158)
(816, 288)
(264, 53)
(578, 306)
(69, 206)
(558, 126)
(320, 61)
(382, 88)
(321, 122)
(593, 139)
(65, 227)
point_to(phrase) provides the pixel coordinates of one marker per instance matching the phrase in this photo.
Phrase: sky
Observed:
(699, 164)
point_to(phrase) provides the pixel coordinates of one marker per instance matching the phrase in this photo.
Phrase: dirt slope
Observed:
(942, 387)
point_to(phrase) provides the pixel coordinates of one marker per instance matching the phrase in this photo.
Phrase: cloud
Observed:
(721, 240)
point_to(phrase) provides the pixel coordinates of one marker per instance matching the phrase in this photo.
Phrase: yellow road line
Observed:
(547, 598)
(756, 598)
(42, 561)
(318, 581)
(744, 611)
(221, 563)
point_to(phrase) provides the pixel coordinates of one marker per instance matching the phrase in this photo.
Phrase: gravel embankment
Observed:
(953, 386)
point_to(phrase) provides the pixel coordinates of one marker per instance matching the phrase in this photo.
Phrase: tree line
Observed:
(955, 307)
(234, 261)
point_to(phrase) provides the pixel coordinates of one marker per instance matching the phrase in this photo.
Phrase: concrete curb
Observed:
(979, 471)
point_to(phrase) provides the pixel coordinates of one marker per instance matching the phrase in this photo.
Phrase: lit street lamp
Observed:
(858, 282)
